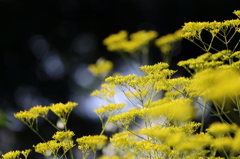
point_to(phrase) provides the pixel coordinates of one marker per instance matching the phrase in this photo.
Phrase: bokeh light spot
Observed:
(53, 66)
(85, 43)
(39, 46)
(82, 76)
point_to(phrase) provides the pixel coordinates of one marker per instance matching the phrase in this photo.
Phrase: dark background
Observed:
(46, 45)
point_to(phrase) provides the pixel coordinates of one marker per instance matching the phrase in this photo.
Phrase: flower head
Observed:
(40, 110)
(91, 142)
(101, 68)
(63, 135)
(63, 110)
(12, 155)
(27, 117)
(237, 13)
(48, 148)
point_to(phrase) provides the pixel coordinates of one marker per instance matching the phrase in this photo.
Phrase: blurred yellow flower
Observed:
(101, 68)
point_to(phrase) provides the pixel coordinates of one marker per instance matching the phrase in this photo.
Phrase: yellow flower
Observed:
(177, 110)
(120, 43)
(12, 155)
(223, 143)
(26, 153)
(111, 108)
(195, 144)
(237, 13)
(107, 92)
(154, 69)
(114, 38)
(27, 117)
(214, 27)
(48, 148)
(66, 145)
(236, 142)
(63, 110)
(143, 37)
(219, 129)
(215, 84)
(236, 54)
(101, 68)
(63, 135)
(91, 142)
(40, 110)
(129, 156)
(193, 30)
(123, 118)
(120, 80)
(123, 139)
(167, 43)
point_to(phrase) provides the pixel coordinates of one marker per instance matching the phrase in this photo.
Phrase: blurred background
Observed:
(46, 47)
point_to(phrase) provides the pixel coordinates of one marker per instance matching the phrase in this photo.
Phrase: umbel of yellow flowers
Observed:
(121, 43)
(166, 129)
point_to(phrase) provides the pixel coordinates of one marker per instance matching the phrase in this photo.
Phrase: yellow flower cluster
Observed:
(48, 148)
(107, 92)
(101, 68)
(60, 109)
(63, 110)
(62, 140)
(215, 84)
(167, 43)
(29, 117)
(91, 143)
(115, 38)
(220, 129)
(16, 154)
(120, 43)
(116, 157)
(40, 110)
(26, 117)
(181, 142)
(125, 118)
(154, 69)
(110, 109)
(123, 139)
(177, 110)
(193, 30)
(237, 13)
(120, 80)
(204, 61)
(223, 31)
(63, 135)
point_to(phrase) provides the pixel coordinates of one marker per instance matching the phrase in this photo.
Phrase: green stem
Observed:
(210, 46)
(236, 45)
(225, 153)
(52, 124)
(70, 151)
(222, 112)
(104, 126)
(36, 133)
(203, 116)
(145, 55)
